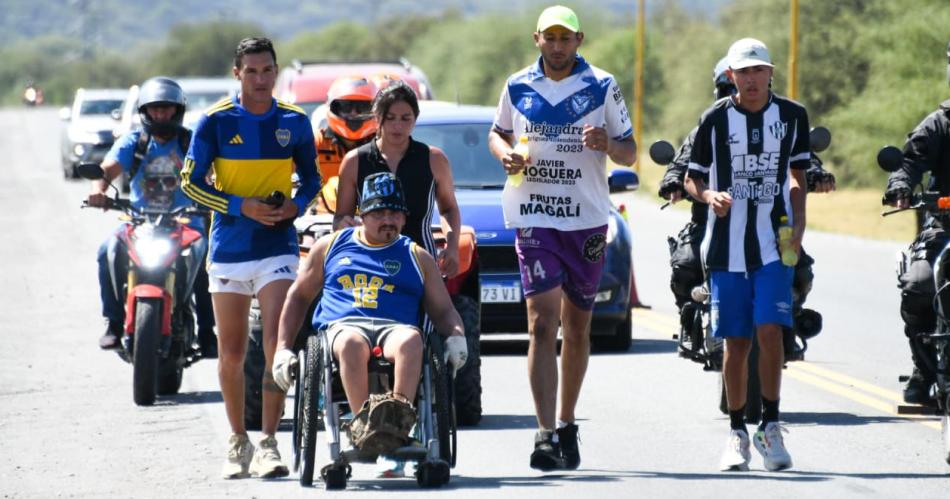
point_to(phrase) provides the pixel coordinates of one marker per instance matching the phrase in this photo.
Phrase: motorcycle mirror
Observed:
(662, 152)
(90, 171)
(820, 138)
(889, 158)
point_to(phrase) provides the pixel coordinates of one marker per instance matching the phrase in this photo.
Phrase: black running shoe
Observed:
(110, 339)
(567, 439)
(547, 454)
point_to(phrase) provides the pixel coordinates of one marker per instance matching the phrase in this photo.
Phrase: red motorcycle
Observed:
(162, 260)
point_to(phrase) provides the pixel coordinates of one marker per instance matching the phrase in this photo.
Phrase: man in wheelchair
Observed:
(373, 281)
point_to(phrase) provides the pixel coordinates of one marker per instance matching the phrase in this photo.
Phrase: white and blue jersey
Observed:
(156, 184)
(361, 280)
(565, 185)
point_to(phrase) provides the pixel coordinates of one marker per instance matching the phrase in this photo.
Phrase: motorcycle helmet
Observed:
(724, 86)
(351, 101)
(161, 90)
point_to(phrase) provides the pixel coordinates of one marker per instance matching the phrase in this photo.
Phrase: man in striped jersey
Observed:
(253, 141)
(748, 164)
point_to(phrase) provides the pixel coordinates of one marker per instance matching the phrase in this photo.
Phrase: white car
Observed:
(87, 136)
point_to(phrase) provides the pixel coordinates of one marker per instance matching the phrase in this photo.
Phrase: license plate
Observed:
(495, 293)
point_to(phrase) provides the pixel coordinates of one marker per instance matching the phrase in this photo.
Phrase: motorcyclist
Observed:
(32, 95)
(927, 150)
(350, 123)
(152, 157)
(684, 249)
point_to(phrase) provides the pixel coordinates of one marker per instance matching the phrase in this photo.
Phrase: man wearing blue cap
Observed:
(573, 117)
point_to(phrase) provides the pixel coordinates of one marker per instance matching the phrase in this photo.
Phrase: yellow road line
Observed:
(826, 379)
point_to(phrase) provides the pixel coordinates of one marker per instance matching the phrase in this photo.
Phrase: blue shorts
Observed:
(743, 301)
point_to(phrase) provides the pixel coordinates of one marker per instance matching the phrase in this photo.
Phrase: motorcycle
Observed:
(160, 337)
(934, 205)
(694, 339)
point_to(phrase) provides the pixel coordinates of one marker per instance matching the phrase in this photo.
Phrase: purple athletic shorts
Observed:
(572, 259)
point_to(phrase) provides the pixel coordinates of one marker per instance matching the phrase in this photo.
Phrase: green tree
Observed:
(201, 49)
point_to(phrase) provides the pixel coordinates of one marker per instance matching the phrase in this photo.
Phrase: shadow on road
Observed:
(192, 398)
(491, 422)
(840, 419)
(519, 348)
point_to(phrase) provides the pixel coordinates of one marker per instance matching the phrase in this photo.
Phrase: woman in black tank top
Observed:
(424, 171)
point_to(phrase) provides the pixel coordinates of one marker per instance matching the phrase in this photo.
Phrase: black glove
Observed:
(670, 185)
(895, 191)
(276, 199)
(813, 178)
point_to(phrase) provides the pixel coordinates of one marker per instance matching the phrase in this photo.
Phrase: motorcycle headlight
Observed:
(152, 251)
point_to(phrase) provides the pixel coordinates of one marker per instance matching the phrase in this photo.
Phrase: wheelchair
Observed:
(320, 404)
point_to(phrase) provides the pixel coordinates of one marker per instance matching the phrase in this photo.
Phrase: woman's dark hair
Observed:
(397, 91)
(253, 46)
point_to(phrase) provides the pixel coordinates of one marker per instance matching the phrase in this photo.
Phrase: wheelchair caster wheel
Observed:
(432, 474)
(335, 476)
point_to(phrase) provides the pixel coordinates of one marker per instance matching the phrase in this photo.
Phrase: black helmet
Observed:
(382, 191)
(161, 90)
(724, 86)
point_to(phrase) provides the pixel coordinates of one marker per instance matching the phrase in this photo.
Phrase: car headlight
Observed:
(79, 150)
(611, 229)
(152, 251)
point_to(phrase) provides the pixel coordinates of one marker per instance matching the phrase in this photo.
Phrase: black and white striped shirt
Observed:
(749, 155)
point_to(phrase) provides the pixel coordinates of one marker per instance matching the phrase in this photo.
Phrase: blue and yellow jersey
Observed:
(253, 155)
(359, 280)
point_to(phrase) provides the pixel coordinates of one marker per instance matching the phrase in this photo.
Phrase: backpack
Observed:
(141, 147)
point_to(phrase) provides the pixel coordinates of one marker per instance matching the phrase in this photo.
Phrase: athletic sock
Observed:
(769, 412)
(737, 419)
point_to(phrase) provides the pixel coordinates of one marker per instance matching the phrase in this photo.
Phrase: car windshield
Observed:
(466, 146)
(99, 106)
(204, 100)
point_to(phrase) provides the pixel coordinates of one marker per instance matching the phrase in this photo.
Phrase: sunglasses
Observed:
(351, 106)
(169, 181)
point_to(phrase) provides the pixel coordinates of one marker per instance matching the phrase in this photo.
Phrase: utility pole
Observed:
(793, 52)
(638, 83)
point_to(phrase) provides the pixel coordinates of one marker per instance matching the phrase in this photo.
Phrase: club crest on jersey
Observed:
(756, 136)
(778, 129)
(283, 136)
(580, 102)
(392, 266)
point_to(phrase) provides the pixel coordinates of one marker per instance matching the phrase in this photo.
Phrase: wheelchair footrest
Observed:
(919, 410)
(409, 453)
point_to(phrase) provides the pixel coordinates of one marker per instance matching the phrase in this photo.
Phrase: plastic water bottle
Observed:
(789, 256)
(521, 149)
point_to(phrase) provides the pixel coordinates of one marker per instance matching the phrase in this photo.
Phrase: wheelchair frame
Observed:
(435, 411)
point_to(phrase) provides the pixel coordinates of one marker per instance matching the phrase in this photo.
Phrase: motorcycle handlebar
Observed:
(927, 201)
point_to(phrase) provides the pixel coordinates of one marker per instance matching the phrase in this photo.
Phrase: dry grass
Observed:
(848, 211)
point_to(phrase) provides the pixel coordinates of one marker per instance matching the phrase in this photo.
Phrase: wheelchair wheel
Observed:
(309, 385)
(442, 402)
(298, 414)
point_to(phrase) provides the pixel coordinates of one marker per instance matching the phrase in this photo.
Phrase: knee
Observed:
(231, 356)
(352, 350)
(410, 348)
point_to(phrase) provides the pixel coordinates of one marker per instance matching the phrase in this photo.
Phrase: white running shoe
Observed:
(736, 456)
(771, 445)
(240, 451)
(266, 462)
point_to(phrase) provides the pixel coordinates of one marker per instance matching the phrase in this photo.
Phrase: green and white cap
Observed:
(558, 15)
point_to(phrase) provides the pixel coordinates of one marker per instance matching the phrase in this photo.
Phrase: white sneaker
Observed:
(736, 456)
(240, 451)
(770, 444)
(266, 462)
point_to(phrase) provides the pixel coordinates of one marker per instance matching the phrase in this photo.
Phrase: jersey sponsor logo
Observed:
(527, 102)
(594, 247)
(756, 136)
(755, 165)
(236, 139)
(283, 136)
(778, 129)
(617, 95)
(345, 261)
(284, 270)
(392, 266)
(551, 130)
(732, 139)
(552, 206)
(526, 232)
(757, 191)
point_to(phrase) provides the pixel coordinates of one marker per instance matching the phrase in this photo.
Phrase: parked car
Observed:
(305, 83)
(87, 136)
(462, 132)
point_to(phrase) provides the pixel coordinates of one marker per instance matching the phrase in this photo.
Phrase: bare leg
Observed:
(352, 352)
(230, 311)
(403, 347)
(271, 300)
(771, 359)
(735, 372)
(575, 353)
(543, 321)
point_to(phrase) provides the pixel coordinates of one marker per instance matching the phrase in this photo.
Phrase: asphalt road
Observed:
(650, 426)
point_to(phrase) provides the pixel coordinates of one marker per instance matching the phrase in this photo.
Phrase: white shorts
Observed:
(248, 278)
